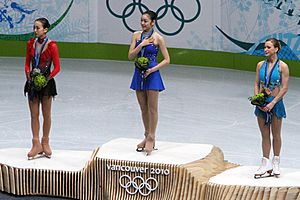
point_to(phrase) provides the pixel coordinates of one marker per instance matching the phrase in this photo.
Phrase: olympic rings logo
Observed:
(161, 12)
(138, 184)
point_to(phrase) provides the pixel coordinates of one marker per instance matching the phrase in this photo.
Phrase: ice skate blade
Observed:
(35, 157)
(140, 149)
(264, 175)
(149, 153)
(47, 156)
(276, 175)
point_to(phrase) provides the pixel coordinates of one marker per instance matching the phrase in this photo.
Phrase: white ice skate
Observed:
(264, 170)
(275, 164)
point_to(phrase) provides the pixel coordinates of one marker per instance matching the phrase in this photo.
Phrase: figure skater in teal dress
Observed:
(272, 75)
(148, 82)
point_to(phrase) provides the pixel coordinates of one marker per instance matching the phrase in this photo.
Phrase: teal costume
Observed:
(272, 81)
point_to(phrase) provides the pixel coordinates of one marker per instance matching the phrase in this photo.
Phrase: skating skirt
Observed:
(278, 110)
(152, 82)
(49, 90)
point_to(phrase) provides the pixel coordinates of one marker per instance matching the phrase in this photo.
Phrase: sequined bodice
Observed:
(275, 79)
(150, 51)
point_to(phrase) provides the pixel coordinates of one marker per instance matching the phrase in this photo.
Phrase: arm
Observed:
(55, 59)
(257, 82)
(165, 54)
(284, 84)
(28, 60)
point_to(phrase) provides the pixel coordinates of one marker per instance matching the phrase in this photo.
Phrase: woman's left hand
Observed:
(148, 72)
(268, 107)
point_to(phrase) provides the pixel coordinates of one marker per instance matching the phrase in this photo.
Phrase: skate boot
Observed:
(36, 150)
(150, 144)
(275, 163)
(264, 169)
(141, 146)
(46, 147)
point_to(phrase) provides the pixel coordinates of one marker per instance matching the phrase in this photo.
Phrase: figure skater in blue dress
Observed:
(148, 82)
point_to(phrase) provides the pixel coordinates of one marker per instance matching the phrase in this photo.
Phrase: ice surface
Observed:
(94, 105)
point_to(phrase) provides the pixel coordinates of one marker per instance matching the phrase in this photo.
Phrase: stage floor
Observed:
(95, 105)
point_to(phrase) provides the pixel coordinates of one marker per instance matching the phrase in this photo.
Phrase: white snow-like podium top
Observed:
(61, 159)
(167, 153)
(244, 175)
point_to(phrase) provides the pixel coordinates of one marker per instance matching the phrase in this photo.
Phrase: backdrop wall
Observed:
(188, 26)
(218, 25)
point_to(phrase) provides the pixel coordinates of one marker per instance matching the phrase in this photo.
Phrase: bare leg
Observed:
(266, 146)
(276, 133)
(34, 107)
(142, 100)
(153, 118)
(46, 109)
(265, 134)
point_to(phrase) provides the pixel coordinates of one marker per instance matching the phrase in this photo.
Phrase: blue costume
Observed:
(153, 81)
(272, 81)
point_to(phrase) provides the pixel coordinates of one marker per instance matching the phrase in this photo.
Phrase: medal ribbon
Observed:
(142, 38)
(36, 54)
(268, 78)
(267, 84)
(142, 54)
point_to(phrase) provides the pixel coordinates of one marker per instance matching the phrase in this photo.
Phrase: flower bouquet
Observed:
(260, 98)
(141, 63)
(38, 79)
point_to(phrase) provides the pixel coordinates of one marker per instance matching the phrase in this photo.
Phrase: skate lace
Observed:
(276, 166)
(263, 167)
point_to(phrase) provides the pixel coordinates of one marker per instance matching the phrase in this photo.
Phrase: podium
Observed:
(238, 183)
(116, 171)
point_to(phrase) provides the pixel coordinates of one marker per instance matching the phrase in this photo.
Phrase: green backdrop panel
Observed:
(178, 56)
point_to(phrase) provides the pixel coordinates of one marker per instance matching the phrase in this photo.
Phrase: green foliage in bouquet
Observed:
(142, 63)
(259, 99)
(39, 80)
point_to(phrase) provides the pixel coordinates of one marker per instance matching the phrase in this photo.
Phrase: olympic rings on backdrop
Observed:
(176, 12)
(144, 188)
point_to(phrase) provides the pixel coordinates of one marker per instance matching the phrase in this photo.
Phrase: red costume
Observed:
(48, 56)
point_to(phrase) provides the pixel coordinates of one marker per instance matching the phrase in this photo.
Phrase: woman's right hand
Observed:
(147, 41)
(265, 108)
(28, 77)
(260, 108)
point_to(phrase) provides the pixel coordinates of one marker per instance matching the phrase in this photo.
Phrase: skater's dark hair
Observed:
(152, 14)
(44, 22)
(275, 42)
